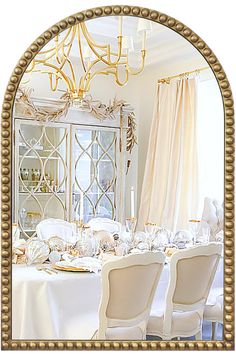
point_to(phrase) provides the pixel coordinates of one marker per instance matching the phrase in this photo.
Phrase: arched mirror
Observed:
(118, 175)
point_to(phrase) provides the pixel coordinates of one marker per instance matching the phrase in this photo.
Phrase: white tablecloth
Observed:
(65, 305)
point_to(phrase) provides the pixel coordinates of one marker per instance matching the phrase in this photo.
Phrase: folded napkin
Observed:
(88, 263)
(104, 257)
(18, 251)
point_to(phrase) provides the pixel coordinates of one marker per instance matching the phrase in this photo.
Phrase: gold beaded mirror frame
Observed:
(6, 197)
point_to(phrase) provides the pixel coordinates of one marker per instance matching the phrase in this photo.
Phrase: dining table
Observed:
(64, 305)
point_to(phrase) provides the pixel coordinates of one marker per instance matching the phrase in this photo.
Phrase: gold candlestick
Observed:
(79, 227)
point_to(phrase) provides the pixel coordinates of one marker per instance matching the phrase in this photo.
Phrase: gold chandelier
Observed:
(96, 59)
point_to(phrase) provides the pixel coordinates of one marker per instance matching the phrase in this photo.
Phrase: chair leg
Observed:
(198, 336)
(214, 330)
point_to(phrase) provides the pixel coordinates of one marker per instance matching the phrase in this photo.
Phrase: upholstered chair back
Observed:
(194, 276)
(192, 272)
(128, 288)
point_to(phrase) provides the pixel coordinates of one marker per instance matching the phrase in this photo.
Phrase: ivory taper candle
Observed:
(132, 201)
(81, 213)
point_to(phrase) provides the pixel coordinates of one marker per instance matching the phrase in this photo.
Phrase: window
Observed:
(210, 142)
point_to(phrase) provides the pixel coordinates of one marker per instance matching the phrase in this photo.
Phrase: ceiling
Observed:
(163, 44)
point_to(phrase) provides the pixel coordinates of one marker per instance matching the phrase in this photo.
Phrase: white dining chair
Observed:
(191, 274)
(105, 224)
(55, 227)
(128, 287)
(214, 314)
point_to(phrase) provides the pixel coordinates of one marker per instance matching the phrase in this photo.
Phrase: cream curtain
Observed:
(170, 185)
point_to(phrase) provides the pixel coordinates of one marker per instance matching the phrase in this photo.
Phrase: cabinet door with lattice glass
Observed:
(41, 173)
(95, 172)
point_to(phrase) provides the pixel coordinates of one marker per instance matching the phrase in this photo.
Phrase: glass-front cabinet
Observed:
(95, 171)
(41, 173)
(57, 164)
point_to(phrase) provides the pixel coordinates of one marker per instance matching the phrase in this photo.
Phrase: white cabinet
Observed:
(55, 162)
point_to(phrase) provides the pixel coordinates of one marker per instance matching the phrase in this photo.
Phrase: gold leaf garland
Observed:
(42, 114)
(98, 109)
(131, 138)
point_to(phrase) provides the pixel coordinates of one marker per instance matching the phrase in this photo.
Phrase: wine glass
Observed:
(150, 230)
(139, 237)
(122, 249)
(203, 234)
(131, 225)
(183, 239)
(220, 236)
(162, 239)
(194, 227)
(23, 214)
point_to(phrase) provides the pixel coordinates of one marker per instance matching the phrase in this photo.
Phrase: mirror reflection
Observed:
(118, 164)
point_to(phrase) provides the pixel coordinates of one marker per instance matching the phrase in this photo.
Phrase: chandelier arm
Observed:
(60, 44)
(30, 70)
(90, 39)
(115, 73)
(67, 81)
(101, 56)
(108, 71)
(122, 63)
(120, 39)
(53, 88)
(72, 72)
(65, 56)
(92, 44)
(62, 75)
(56, 49)
(87, 76)
(57, 75)
(26, 81)
(142, 65)
(73, 35)
(126, 77)
(81, 86)
(80, 48)
(115, 54)
(88, 83)
(92, 64)
(44, 62)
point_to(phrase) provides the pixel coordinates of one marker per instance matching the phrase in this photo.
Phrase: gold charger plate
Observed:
(69, 269)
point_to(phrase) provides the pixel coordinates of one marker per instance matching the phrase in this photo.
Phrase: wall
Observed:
(140, 94)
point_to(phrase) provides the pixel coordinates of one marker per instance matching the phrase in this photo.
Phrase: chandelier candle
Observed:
(120, 19)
